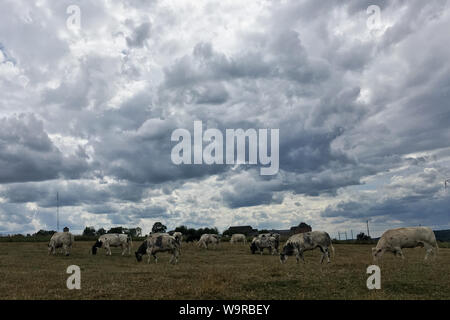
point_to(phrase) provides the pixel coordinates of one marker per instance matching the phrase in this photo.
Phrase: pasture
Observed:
(228, 272)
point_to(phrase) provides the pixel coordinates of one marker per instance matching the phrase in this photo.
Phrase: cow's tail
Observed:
(436, 246)
(331, 245)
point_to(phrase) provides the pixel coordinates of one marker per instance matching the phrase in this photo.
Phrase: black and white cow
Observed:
(113, 240)
(158, 242)
(260, 243)
(62, 240)
(274, 235)
(301, 242)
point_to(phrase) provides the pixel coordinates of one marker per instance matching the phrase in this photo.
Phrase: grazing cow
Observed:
(62, 240)
(298, 243)
(271, 234)
(394, 240)
(238, 237)
(207, 239)
(260, 243)
(158, 242)
(113, 240)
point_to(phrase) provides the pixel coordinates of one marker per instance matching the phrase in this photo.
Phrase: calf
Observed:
(62, 240)
(394, 240)
(207, 239)
(113, 240)
(298, 243)
(159, 242)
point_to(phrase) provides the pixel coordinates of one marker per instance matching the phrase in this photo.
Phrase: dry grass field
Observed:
(229, 272)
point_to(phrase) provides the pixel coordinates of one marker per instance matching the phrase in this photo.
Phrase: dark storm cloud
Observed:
(27, 153)
(350, 104)
(414, 209)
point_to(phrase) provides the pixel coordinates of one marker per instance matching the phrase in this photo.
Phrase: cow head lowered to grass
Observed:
(288, 250)
(96, 245)
(141, 251)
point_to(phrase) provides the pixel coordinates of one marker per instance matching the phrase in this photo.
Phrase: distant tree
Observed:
(182, 229)
(89, 232)
(134, 232)
(362, 237)
(158, 227)
(44, 233)
(100, 232)
(264, 231)
(116, 230)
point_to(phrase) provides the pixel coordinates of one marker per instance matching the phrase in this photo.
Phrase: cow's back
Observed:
(408, 237)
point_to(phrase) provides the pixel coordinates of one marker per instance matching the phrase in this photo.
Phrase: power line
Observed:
(57, 211)
(368, 233)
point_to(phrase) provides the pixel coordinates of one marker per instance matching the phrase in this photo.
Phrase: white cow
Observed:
(394, 240)
(208, 238)
(238, 237)
(298, 243)
(113, 240)
(62, 240)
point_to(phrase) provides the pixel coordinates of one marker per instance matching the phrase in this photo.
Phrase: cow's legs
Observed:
(65, 250)
(301, 256)
(174, 257)
(321, 259)
(108, 249)
(326, 254)
(429, 249)
(155, 257)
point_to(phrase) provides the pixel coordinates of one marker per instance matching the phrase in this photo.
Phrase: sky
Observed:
(91, 91)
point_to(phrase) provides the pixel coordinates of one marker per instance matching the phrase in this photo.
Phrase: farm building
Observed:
(247, 230)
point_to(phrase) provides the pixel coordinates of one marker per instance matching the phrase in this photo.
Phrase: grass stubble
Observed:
(228, 272)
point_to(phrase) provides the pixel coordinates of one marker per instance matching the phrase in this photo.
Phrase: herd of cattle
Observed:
(393, 240)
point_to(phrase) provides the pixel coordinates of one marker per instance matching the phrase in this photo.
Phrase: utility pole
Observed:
(339, 235)
(57, 211)
(446, 182)
(346, 236)
(368, 233)
(352, 233)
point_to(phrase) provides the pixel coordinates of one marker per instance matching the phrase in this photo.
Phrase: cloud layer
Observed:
(363, 113)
